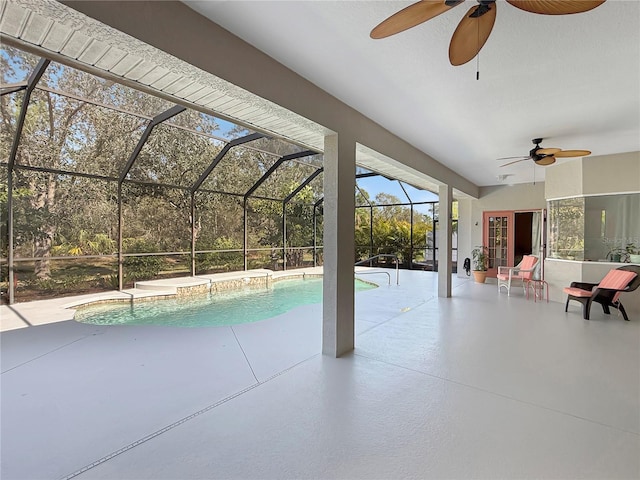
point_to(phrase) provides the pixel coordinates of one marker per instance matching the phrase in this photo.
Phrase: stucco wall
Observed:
(611, 173)
(594, 176)
(563, 180)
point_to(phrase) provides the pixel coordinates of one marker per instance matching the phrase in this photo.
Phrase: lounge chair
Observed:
(607, 292)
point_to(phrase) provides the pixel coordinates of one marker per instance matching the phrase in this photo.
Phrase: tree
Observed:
(299, 213)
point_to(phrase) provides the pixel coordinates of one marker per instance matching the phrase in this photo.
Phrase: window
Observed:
(598, 228)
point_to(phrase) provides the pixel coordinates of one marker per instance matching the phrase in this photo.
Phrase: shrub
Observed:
(142, 267)
(111, 281)
(222, 260)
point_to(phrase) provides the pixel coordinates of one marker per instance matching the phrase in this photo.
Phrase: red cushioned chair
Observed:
(522, 272)
(607, 292)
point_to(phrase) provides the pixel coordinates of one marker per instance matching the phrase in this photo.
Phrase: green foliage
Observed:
(141, 267)
(391, 230)
(111, 281)
(46, 284)
(85, 243)
(299, 228)
(632, 249)
(67, 276)
(480, 256)
(222, 261)
(400, 241)
(18, 193)
(566, 228)
(362, 239)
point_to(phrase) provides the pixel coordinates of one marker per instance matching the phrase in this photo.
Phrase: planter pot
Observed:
(479, 276)
(634, 258)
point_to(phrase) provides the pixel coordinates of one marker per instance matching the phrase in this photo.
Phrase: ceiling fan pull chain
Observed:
(478, 55)
(534, 173)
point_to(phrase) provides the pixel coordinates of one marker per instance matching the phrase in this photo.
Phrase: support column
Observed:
(445, 193)
(338, 327)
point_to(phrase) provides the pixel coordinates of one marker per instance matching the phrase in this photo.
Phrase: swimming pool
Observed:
(247, 305)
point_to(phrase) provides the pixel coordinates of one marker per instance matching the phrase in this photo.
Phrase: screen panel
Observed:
(173, 156)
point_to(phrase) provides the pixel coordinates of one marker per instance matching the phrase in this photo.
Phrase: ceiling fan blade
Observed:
(516, 161)
(548, 151)
(572, 153)
(472, 33)
(521, 157)
(555, 7)
(544, 161)
(411, 16)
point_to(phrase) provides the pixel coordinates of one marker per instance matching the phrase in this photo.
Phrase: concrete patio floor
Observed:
(476, 386)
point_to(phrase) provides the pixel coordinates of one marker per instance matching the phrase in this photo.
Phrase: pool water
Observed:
(250, 304)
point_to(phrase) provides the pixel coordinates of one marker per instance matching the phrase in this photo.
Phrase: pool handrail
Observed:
(377, 272)
(382, 255)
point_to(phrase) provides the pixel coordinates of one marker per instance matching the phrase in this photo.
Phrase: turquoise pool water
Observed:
(230, 308)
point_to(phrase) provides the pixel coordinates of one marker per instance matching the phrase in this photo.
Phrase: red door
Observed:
(497, 234)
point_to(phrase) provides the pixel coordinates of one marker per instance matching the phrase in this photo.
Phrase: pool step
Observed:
(173, 285)
(125, 295)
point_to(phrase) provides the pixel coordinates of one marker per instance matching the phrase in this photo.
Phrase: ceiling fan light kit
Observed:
(475, 27)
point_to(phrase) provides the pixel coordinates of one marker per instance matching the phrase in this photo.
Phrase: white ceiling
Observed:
(573, 79)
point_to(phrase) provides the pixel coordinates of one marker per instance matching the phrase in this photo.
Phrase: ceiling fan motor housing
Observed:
(536, 157)
(532, 153)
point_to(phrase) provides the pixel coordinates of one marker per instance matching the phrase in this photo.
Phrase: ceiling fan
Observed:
(546, 156)
(475, 27)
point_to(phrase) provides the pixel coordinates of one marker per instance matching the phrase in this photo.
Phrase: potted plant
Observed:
(615, 254)
(633, 253)
(480, 257)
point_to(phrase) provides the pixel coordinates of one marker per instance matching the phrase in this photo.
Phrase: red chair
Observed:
(522, 272)
(607, 292)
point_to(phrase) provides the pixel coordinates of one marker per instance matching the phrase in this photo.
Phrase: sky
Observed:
(379, 184)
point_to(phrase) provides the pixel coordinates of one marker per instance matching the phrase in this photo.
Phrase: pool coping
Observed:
(200, 284)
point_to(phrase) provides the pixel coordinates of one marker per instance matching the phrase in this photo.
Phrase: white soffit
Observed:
(57, 31)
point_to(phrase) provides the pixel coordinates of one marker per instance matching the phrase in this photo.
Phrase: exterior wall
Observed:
(618, 173)
(611, 173)
(563, 180)
(525, 196)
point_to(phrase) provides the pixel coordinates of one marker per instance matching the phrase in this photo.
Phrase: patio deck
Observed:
(479, 385)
